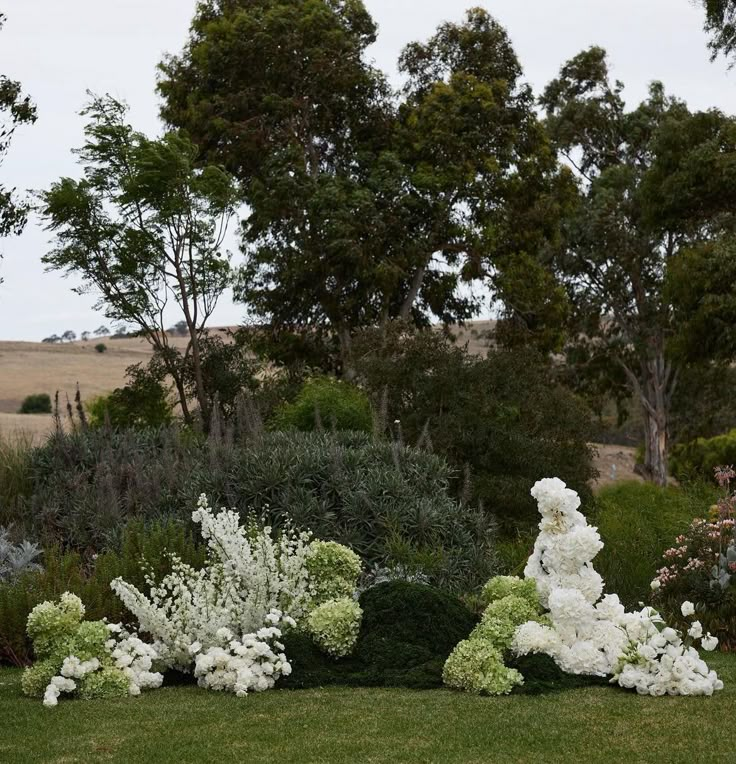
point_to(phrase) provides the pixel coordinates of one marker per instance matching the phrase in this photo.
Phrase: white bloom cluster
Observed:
(250, 572)
(253, 662)
(71, 669)
(57, 685)
(135, 658)
(590, 635)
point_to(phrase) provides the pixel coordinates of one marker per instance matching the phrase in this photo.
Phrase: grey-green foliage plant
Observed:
(17, 559)
(388, 502)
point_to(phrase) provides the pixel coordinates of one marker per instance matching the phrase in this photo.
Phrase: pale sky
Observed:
(59, 49)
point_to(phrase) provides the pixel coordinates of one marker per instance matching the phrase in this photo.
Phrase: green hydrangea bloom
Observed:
(333, 570)
(36, 678)
(476, 666)
(50, 622)
(334, 626)
(505, 586)
(500, 620)
(108, 682)
(89, 641)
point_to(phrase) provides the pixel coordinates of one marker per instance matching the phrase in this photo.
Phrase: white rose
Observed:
(687, 608)
(709, 642)
(655, 585)
(696, 630)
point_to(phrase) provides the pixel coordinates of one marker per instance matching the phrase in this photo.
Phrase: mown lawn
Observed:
(186, 724)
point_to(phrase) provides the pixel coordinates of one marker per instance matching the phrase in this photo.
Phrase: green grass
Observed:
(187, 724)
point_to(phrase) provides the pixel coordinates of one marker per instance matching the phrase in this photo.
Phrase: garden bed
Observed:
(184, 724)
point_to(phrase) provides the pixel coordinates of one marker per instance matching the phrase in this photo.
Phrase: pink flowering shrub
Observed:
(701, 566)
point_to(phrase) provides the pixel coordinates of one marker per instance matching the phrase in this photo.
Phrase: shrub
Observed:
(407, 632)
(697, 459)
(325, 403)
(91, 580)
(101, 347)
(36, 404)
(637, 521)
(388, 503)
(500, 421)
(143, 402)
(15, 477)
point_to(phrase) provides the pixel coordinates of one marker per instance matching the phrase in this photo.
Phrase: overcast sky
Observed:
(59, 49)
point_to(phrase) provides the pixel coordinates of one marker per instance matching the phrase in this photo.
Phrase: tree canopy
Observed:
(143, 228)
(365, 204)
(655, 181)
(15, 109)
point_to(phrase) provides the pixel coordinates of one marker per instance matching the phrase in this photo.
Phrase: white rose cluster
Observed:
(590, 635)
(253, 662)
(251, 572)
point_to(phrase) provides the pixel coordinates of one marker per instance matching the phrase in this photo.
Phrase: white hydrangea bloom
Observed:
(590, 635)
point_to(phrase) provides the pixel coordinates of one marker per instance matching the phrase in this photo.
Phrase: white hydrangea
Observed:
(57, 685)
(252, 663)
(250, 572)
(590, 635)
(135, 658)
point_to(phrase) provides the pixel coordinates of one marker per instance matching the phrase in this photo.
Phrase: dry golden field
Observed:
(33, 367)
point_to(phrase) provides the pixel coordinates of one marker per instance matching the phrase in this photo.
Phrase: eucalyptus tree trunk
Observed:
(654, 388)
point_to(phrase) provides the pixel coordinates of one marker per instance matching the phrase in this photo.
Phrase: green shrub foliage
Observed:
(90, 580)
(143, 402)
(325, 403)
(407, 632)
(388, 503)
(36, 404)
(697, 459)
(500, 421)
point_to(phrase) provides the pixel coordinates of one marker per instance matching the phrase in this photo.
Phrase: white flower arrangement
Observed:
(252, 663)
(251, 572)
(590, 635)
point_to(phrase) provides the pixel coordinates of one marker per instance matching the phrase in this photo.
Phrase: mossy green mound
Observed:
(408, 630)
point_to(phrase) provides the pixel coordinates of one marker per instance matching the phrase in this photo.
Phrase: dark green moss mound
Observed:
(408, 631)
(542, 675)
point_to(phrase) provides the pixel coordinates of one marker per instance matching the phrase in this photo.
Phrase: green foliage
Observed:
(100, 347)
(381, 181)
(325, 402)
(500, 587)
(90, 580)
(697, 459)
(720, 23)
(387, 502)
(39, 403)
(637, 522)
(655, 182)
(15, 109)
(334, 626)
(500, 421)
(476, 666)
(542, 675)
(15, 475)
(143, 230)
(143, 402)
(333, 570)
(407, 632)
